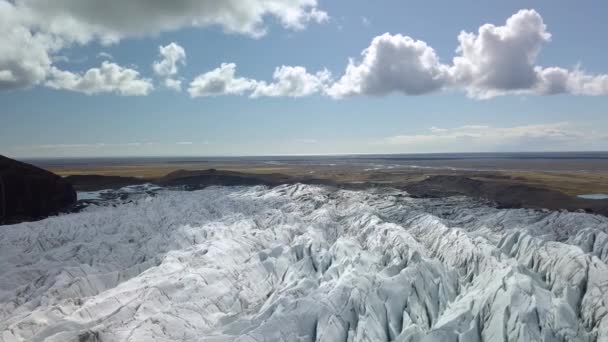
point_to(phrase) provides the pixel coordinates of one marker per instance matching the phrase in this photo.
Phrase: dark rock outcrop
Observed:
(506, 194)
(98, 182)
(196, 179)
(203, 178)
(29, 193)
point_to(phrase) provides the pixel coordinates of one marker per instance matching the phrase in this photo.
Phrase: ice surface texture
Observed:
(304, 263)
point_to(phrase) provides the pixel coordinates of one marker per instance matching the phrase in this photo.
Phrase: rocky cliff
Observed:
(29, 193)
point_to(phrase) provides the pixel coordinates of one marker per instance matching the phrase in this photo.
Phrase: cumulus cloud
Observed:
(292, 81)
(24, 55)
(220, 81)
(172, 56)
(173, 84)
(314, 15)
(112, 19)
(497, 60)
(24, 59)
(500, 58)
(392, 63)
(109, 78)
(559, 80)
(33, 31)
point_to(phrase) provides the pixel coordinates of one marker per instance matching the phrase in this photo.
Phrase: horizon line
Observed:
(302, 155)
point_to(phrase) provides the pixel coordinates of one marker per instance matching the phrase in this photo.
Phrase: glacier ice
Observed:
(304, 263)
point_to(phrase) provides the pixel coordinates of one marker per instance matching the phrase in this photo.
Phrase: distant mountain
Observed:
(29, 193)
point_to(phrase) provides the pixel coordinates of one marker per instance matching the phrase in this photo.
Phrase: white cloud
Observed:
(105, 55)
(365, 21)
(497, 60)
(24, 55)
(314, 15)
(392, 63)
(113, 19)
(294, 82)
(173, 84)
(172, 56)
(33, 31)
(494, 61)
(109, 78)
(552, 136)
(558, 80)
(220, 81)
(79, 146)
(501, 60)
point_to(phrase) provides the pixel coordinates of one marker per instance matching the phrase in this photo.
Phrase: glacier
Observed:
(304, 263)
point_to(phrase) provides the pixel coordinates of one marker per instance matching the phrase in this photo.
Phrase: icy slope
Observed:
(304, 263)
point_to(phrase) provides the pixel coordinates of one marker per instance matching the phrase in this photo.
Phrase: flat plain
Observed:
(570, 173)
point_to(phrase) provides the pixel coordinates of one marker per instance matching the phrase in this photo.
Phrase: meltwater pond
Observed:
(594, 196)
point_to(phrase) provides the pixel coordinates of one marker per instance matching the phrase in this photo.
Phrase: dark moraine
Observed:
(196, 179)
(504, 194)
(98, 182)
(29, 193)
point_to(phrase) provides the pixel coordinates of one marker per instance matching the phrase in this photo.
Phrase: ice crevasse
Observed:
(304, 263)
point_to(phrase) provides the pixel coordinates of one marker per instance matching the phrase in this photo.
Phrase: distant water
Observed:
(594, 196)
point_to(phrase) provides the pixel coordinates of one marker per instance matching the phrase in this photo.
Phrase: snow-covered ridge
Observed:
(304, 263)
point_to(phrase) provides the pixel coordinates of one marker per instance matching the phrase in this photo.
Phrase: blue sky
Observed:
(408, 94)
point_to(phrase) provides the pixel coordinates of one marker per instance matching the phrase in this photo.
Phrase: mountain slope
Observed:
(30, 193)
